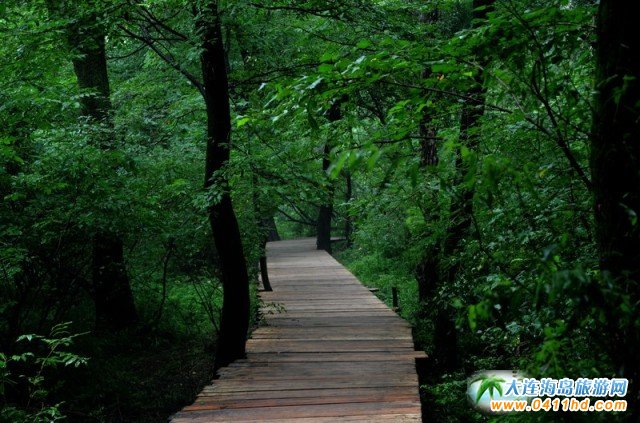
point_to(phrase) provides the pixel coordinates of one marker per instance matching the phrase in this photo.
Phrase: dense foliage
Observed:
(448, 141)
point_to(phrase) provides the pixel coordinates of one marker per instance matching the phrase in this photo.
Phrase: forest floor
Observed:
(134, 378)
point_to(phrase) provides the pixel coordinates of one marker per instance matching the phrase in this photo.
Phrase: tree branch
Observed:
(151, 43)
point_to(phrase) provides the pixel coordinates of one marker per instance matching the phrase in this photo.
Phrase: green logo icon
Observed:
(491, 385)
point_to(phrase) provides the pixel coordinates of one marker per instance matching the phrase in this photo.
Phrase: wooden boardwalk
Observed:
(336, 352)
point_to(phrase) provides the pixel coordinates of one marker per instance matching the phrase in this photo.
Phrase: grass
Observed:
(377, 271)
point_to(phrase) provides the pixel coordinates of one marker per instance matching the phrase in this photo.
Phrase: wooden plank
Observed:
(305, 369)
(396, 418)
(371, 357)
(330, 336)
(212, 403)
(294, 384)
(287, 345)
(322, 410)
(308, 393)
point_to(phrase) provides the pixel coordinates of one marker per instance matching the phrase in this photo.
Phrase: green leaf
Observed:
(242, 121)
(325, 68)
(362, 44)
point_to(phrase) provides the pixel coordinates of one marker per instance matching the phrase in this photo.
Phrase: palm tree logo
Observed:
(487, 386)
(490, 383)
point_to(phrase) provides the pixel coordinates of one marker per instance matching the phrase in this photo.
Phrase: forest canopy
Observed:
(480, 157)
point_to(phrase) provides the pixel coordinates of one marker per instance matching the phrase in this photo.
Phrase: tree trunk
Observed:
(461, 212)
(234, 323)
(114, 304)
(266, 230)
(265, 222)
(264, 273)
(348, 222)
(460, 224)
(323, 241)
(426, 270)
(270, 234)
(615, 168)
(115, 308)
(427, 278)
(270, 224)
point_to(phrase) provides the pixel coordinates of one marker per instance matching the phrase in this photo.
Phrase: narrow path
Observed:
(336, 352)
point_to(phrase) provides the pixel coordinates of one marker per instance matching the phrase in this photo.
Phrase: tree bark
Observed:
(348, 222)
(446, 352)
(264, 272)
(114, 304)
(425, 271)
(269, 234)
(615, 168)
(270, 224)
(323, 240)
(234, 322)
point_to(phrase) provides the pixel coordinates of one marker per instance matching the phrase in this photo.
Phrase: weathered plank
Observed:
(329, 350)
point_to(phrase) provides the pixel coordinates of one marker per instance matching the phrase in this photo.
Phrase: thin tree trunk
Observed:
(446, 352)
(264, 272)
(266, 225)
(269, 234)
(114, 304)
(615, 168)
(234, 322)
(323, 240)
(426, 270)
(460, 217)
(262, 225)
(348, 221)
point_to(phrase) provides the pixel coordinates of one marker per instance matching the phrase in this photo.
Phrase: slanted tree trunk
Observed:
(234, 323)
(264, 232)
(264, 271)
(323, 240)
(114, 304)
(270, 233)
(270, 224)
(615, 168)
